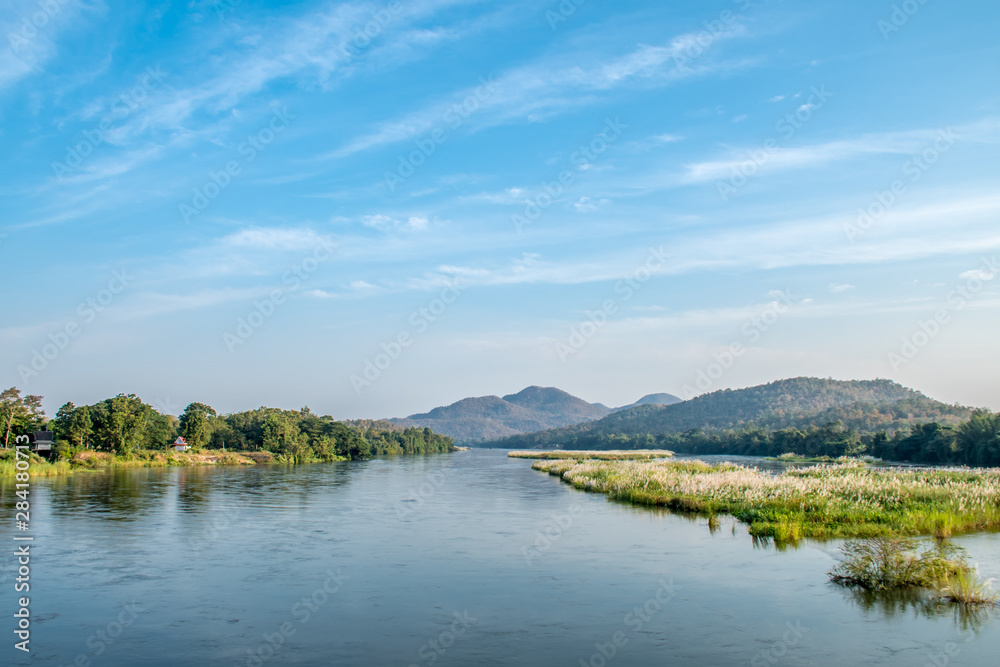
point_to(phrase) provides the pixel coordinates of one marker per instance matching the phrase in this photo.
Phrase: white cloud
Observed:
(977, 274)
(547, 88)
(385, 223)
(277, 239)
(840, 288)
(901, 143)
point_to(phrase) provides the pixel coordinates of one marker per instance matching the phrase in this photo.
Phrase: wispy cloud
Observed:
(549, 87)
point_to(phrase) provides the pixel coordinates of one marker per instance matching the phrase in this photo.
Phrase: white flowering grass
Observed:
(846, 499)
(604, 455)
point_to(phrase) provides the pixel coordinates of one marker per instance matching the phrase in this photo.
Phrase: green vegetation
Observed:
(888, 563)
(123, 431)
(604, 455)
(966, 587)
(809, 416)
(843, 500)
(883, 563)
(19, 415)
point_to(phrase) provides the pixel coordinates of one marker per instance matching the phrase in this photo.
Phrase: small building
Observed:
(41, 442)
(180, 444)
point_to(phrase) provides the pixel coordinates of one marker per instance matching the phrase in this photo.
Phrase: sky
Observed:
(375, 208)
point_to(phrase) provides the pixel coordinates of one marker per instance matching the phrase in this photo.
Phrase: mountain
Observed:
(490, 417)
(866, 406)
(652, 399)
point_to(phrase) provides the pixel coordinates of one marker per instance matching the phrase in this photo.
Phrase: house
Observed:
(180, 444)
(41, 442)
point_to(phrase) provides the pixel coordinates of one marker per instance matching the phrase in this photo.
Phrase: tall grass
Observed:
(37, 465)
(71, 461)
(600, 455)
(846, 499)
(967, 588)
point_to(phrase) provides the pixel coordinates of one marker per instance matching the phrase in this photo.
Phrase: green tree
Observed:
(73, 424)
(195, 424)
(18, 415)
(978, 440)
(124, 424)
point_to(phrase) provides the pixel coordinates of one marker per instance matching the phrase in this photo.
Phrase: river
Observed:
(454, 559)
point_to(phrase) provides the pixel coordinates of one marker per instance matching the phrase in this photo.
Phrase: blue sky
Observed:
(376, 208)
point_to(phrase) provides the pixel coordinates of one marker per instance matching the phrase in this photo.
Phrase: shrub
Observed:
(884, 563)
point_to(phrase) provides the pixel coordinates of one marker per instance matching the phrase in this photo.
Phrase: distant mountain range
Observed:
(532, 409)
(865, 406)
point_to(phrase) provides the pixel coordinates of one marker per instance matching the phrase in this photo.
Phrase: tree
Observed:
(195, 425)
(125, 421)
(73, 424)
(978, 440)
(18, 415)
(63, 416)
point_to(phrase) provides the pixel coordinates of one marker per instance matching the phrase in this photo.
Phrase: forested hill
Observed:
(472, 420)
(865, 406)
(532, 409)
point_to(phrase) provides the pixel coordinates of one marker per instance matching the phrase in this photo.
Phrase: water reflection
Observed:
(219, 556)
(889, 604)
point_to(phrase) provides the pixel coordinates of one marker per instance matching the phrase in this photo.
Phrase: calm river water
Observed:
(457, 559)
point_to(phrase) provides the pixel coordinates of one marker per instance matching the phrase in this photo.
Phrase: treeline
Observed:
(124, 425)
(975, 442)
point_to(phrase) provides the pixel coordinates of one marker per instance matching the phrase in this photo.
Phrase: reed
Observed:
(842, 500)
(967, 588)
(599, 455)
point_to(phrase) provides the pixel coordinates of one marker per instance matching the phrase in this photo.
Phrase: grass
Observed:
(892, 563)
(967, 588)
(843, 500)
(798, 458)
(600, 455)
(89, 460)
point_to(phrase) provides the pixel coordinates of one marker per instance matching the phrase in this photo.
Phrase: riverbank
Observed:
(826, 501)
(605, 455)
(90, 461)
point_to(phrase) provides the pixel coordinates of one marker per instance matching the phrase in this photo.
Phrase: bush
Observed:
(884, 563)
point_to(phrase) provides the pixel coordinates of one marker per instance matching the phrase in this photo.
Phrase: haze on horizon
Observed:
(377, 208)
